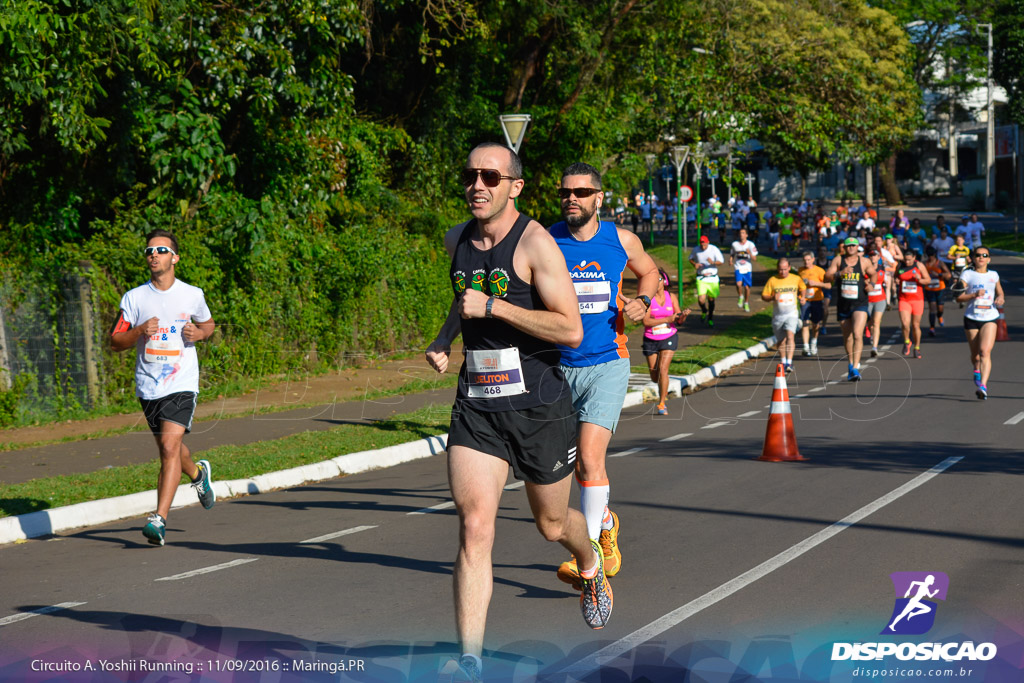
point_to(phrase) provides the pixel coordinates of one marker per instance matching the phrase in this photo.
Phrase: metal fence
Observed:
(50, 340)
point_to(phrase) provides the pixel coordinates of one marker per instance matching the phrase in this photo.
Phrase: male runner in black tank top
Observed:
(851, 275)
(512, 303)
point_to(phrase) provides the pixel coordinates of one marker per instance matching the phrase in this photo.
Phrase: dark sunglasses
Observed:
(491, 177)
(580, 192)
(148, 251)
(986, 255)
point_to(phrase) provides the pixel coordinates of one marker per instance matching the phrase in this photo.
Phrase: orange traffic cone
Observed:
(1002, 334)
(779, 439)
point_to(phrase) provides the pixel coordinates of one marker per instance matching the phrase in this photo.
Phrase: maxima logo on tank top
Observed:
(580, 272)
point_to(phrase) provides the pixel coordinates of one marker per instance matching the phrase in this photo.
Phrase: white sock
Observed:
(607, 522)
(593, 503)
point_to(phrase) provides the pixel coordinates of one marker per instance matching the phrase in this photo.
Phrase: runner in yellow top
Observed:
(786, 291)
(813, 312)
(959, 254)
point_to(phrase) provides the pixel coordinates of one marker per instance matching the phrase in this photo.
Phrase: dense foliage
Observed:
(305, 150)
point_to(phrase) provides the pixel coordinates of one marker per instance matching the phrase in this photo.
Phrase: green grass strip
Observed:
(1004, 240)
(414, 385)
(229, 462)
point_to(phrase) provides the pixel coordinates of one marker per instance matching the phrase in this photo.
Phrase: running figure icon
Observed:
(915, 607)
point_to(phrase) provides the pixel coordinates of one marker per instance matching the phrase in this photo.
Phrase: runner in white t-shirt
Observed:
(975, 230)
(706, 258)
(741, 257)
(163, 319)
(983, 295)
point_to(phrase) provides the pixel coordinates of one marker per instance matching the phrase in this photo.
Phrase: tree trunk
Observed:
(887, 174)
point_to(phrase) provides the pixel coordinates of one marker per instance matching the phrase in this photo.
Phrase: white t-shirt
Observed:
(974, 229)
(983, 308)
(711, 253)
(165, 363)
(867, 224)
(742, 253)
(942, 248)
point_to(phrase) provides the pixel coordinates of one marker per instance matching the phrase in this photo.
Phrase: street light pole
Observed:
(514, 128)
(698, 161)
(650, 158)
(679, 155)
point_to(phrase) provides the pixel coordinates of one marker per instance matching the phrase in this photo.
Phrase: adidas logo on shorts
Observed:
(558, 466)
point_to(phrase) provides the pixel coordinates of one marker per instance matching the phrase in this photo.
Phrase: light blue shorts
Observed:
(598, 391)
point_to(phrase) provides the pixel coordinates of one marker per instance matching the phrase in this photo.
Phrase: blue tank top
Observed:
(596, 269)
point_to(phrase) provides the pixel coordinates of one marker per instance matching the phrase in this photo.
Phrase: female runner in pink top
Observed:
(661, 337)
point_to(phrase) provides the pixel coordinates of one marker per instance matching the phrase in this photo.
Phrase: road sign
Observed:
(685, 193)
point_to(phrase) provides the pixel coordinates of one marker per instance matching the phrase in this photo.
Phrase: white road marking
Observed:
(835, 381)
(676, 437)
(631, 451)
(870, 360)
(36, 612)
(886, 347)
(799, 396)
(811, 391)
(433, 508)
(1015, 419)
(336, 534)
(752, 413)
(515, 485)
(207, 570)
(715, 425)
(677, 616)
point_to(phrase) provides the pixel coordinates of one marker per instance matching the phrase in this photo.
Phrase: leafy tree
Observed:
(1008, 57)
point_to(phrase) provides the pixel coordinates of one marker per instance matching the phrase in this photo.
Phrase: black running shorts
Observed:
(972, 324)
(177, 408)
(539, 444)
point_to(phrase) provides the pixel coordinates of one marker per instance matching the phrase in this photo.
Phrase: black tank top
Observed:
(846, 285)
(492, 272)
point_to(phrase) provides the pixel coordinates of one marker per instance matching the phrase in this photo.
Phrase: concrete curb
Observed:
(95, 512)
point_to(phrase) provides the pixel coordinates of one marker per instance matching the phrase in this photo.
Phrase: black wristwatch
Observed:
(646, 299)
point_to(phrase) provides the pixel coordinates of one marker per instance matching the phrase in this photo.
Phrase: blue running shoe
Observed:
(204, 485)
(853, 375)
(154, 529)
(982, 392)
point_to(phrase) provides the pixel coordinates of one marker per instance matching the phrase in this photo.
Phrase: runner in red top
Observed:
(911, 277)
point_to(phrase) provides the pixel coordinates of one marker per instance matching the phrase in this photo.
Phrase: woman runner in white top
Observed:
(983, 295)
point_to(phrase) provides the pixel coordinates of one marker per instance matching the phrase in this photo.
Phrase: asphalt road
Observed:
(734, 569)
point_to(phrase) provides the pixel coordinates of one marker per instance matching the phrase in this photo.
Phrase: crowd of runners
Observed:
(541, 313)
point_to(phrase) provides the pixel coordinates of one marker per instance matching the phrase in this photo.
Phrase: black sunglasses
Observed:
(491, 177)
(985, 255)
(148, 251)
(580, 192)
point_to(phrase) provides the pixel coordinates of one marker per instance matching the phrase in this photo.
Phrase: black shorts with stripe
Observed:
(539, 444)
(177, 408)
